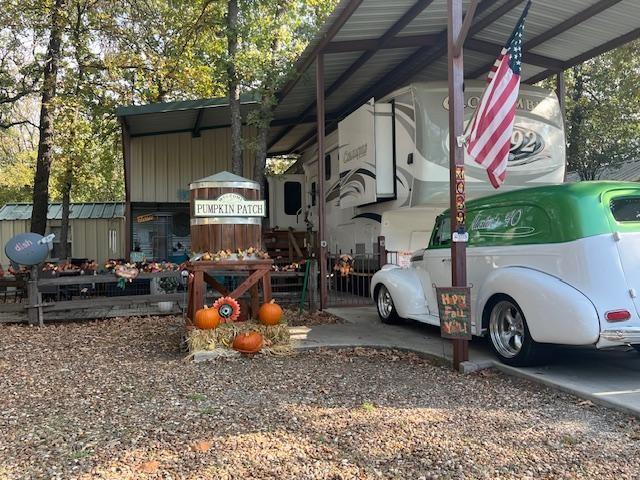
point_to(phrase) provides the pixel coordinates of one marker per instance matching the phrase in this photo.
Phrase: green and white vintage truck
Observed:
(546, 265)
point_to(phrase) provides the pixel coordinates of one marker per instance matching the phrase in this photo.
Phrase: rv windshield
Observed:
(625, 209)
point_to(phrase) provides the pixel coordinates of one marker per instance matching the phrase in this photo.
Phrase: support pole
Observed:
(561, 93)
(126, 157)
(456, 160)
(321, 202)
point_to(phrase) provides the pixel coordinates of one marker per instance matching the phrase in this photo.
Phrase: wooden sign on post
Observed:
(455, 312)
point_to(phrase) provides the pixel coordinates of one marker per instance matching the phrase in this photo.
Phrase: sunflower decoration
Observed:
(228, 308)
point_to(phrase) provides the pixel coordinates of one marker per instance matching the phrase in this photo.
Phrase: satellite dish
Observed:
(28, 248)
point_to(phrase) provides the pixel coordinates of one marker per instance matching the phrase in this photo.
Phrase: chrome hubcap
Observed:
(385, 303)
(506, 327)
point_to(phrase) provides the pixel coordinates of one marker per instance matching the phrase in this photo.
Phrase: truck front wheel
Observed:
(386, 309)
(509, 334)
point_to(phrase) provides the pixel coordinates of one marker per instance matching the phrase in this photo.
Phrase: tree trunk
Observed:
(68, 173)
(574, 124)
(66, 207)
(45, 143)
(266, 108)
(233, 85)
(261, 154)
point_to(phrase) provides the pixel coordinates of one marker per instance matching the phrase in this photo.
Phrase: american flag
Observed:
(490, 136)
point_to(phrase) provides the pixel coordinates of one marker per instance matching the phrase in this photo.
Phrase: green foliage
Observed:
(117, 53)
(279, 165)
(602, 105)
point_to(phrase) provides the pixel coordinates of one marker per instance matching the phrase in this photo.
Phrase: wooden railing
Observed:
(96, 296)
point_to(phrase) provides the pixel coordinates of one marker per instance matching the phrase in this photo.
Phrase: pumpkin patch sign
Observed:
(455, 312)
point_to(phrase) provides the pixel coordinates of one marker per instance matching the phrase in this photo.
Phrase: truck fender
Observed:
(555, 311)
(405, 288)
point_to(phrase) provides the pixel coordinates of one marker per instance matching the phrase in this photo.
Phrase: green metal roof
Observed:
(164, 107)
(182, 116)
(78, 211)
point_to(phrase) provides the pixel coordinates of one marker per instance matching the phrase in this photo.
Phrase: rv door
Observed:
(286, 202)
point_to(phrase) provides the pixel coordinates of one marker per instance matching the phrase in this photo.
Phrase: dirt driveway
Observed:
(116, 400)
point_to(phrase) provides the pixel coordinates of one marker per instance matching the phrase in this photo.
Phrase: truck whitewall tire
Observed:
(509, 335)
(386, 308)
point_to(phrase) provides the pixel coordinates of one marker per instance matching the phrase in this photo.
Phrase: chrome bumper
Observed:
(621, 335)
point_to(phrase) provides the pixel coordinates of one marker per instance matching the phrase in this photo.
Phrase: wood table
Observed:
(201, 274)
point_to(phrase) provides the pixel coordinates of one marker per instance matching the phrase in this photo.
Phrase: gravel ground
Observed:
(294, 319)
(115, 399)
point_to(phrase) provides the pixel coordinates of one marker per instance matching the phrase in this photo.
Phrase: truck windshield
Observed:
(625, 209)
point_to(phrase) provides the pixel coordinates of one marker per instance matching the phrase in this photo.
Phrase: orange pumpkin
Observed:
(207, 318)
(270, 313)
(248, 342)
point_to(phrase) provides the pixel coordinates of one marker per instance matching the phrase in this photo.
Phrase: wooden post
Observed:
(35, 300)
(456, 160)
(321, 201)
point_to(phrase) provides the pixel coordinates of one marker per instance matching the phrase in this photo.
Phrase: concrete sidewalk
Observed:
(611, 378)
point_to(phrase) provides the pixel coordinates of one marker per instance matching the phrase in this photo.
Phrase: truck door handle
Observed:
(447, 260)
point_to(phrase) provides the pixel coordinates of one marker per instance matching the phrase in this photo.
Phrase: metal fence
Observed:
(349, 274)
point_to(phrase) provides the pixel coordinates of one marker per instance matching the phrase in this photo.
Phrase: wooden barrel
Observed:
(216, 229)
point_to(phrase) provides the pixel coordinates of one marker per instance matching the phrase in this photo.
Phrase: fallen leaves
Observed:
(202, 446)
(150, 467)
(114, 400)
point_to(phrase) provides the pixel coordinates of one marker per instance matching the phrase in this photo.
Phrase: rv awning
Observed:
(372, 47)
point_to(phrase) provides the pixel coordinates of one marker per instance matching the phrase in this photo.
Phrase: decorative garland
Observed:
(228, 254)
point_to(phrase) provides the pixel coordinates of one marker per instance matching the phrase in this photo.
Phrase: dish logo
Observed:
(525, 144)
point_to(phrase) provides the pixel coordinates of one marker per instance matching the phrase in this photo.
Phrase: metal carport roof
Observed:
(182, 116)
(372, 47)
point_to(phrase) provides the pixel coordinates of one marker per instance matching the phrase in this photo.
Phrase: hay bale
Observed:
(277, 340)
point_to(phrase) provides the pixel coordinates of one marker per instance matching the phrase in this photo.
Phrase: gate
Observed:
(349, 275)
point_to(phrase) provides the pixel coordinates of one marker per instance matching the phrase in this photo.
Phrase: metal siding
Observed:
(136, 169)
(185, 164)
(9, 229)
(173, 168)
(197, 168)
(161, 173)
(78, 238)
(102, 238)
(149, 169)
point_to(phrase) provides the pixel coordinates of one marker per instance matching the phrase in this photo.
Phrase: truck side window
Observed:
(443, 233)
(313, 194)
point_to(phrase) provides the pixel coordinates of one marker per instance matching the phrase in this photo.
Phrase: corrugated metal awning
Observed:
(184, 116)
(86, 211)
(372, 47)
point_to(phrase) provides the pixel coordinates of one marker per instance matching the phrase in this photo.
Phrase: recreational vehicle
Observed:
(387, 167)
